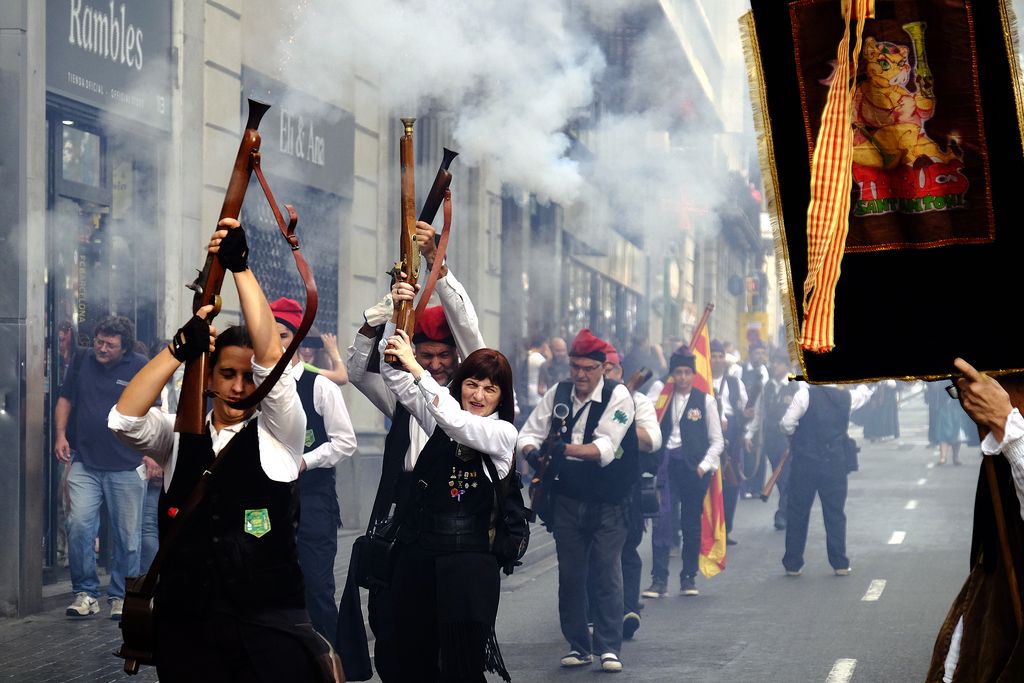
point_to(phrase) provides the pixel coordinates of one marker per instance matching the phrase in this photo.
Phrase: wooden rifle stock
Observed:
(409, 261)
(766, 492)
(207, 285)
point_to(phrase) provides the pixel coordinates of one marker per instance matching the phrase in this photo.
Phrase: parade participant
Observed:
(320, 350)
(818, 418)
(229, 604)
(732, 399)
(754, 374)
(443, 334)
(329, 438)
(101, 469)
(588, 524)
(979, 639)
(644, 436)
(445, 584)
(778, 394)
(692, 445)
(556, 368)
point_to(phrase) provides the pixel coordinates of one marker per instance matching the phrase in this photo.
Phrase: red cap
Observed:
(586, 345)
(288, 312)
(611, 354)
(431, 326)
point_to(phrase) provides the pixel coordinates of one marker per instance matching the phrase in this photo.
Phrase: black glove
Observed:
(234, 251)
(533, 459)
(191, 341)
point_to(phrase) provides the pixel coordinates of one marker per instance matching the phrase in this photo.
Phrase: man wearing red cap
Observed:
(587, 514)
(443, 334)
(641, 441)
(329, 438)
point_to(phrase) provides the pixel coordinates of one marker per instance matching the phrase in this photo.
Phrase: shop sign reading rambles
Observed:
(112, 55)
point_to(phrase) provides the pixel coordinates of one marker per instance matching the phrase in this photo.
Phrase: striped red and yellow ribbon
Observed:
(828, 214)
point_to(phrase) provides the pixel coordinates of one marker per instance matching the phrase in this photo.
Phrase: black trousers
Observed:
(317, 541)
(219, 648)
(632, 565)
(588, 542)
(690, 490)
(781, 484)
(829, 481)
(381, 615)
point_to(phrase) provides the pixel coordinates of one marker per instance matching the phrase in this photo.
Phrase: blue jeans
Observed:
(123, 492)
(150, 524)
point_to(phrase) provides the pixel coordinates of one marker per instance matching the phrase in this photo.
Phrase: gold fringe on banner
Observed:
(769, 174)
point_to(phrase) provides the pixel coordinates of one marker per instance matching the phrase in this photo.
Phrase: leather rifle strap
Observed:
(442, 247)
(312, 297)
(166, 543)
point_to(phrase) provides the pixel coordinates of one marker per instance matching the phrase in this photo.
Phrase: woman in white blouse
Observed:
(445, 583)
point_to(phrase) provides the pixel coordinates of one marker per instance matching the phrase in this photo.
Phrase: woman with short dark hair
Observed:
(445, 584)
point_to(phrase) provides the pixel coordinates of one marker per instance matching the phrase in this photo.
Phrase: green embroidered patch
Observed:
(309, 438)
(257, 522)
(620, 417)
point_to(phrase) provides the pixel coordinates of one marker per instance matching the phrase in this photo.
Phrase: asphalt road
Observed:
(752, 623)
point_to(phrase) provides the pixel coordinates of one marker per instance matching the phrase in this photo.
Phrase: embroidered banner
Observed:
(920, 159)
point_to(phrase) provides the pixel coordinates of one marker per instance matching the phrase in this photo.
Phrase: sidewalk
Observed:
(50, 646)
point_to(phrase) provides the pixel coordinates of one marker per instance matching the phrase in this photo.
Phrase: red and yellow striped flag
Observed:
(712, 519)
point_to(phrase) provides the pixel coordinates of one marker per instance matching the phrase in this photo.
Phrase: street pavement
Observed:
(909, 525)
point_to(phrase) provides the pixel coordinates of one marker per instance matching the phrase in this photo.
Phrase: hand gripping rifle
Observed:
(545, 467)
(409, 259)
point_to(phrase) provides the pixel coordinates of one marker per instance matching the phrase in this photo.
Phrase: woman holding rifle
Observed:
(230, 602)
(446, 580)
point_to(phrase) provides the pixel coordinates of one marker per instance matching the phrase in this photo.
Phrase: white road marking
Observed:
(897, 537)
(931, 465)
(874, 591)
(922, 482)
(842, 671)
(911, 505)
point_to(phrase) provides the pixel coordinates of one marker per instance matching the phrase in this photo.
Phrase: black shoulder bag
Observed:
(511, 517)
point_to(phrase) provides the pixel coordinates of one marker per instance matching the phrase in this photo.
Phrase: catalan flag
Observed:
(712, 519)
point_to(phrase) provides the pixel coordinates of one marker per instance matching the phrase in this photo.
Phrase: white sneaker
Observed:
(845, 571)
(116, 605)
(610, 662)
(574, 658)
(84, 606)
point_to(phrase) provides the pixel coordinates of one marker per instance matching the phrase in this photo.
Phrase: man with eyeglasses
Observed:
(588, 522)
(101, 468)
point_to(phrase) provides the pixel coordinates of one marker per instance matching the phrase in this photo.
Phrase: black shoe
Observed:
(687, 586)
(780, 523)
(630, 624)
(657, 589)
(729, 541)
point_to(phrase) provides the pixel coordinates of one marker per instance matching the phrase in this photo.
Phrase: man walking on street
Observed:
(101, 468)
(588, 524)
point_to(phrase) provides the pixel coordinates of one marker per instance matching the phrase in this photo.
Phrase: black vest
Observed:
(319, 480)
(586, 480)
(826, 419)
(238, 548)
(693, 428)
(752, 383)
(453, 513)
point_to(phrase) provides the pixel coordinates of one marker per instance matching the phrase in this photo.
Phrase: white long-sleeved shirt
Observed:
(716, 442)
(281, 431)
(489, 435)
(1012, 448)
(330, 405)
(646, 418)
(607, 434)
(465, 327)
(859, 395)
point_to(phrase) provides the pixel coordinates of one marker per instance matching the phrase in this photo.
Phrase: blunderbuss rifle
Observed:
(409, 258)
